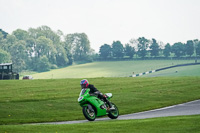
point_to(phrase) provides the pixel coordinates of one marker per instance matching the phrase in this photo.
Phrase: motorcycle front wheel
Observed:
(113, 114)
(89, 114)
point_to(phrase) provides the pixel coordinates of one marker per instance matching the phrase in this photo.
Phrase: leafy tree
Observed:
(1, 36)
(43, 64)
(143, 44)
(178, 49)
(105, 51)
(20, 34)
(30, 46)
(27, 48)
(34, 33)
(31, 52)
(19, 56)
(43, 47)
(36, 48)
(189, 48)
(70, 58)
(92, 55)
(44, 41)
(154, 48)
(2, 42)
(48, 33)
(78, 45)
(129, 50)
(68, 47)
(167, 50)
(4, 56)
(198, 48)
(61, 56)
(10, 40)
(5, 44)
(68, 43)
(117, 49)
(82, 48)
(134, 42)
(3, 33)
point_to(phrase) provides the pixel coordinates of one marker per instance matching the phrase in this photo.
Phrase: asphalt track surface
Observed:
(190, 108)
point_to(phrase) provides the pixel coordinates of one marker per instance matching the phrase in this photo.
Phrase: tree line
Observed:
(41, 49)
(142, 47)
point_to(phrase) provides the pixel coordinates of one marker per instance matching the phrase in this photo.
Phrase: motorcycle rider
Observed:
(93, 91)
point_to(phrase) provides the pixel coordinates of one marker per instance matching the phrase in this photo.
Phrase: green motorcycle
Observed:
(94, 107)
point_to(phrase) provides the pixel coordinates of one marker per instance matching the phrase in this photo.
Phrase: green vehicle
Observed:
(94, 107)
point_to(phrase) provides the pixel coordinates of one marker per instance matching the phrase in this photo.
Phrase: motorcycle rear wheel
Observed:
(113, 114)
(90, 115)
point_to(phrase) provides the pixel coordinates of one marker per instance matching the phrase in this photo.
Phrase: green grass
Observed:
(108, 69)
(181, 124)
(29, 101)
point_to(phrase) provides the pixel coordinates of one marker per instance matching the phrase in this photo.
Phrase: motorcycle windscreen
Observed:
(108, 95)
(82, 92)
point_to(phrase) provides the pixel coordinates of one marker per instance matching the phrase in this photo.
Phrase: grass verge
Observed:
(181, 124)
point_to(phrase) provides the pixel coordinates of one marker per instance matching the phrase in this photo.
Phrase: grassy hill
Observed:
(108, 69)
(29, 101)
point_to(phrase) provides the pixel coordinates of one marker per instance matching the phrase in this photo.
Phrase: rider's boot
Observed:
(111, 107)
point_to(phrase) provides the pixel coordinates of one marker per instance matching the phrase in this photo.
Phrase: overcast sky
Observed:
(105, 21)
